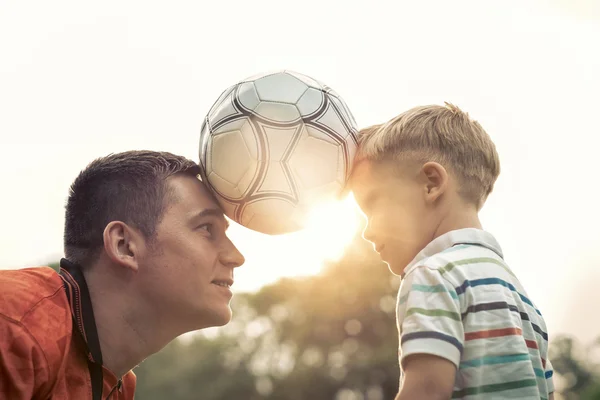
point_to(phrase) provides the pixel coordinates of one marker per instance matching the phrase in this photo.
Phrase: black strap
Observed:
(97, 379)
(95, 369)
(78, 295)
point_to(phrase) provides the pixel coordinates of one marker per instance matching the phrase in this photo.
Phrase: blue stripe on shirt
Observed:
(491, 360)
(493, 281)
(432, 335)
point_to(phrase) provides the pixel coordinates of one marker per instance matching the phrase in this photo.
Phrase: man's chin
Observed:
(221, 317)
(214, 317)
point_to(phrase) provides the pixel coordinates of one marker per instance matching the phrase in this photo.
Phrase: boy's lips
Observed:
(379, 248)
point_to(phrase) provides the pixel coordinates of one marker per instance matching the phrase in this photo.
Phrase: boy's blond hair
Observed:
(443, 134)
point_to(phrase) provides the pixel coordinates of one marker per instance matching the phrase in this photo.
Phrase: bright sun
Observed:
(329, 229)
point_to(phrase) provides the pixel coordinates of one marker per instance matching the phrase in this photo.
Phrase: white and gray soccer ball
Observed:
(275, 145)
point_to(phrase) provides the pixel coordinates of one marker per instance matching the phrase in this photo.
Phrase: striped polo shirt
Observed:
(459, 300)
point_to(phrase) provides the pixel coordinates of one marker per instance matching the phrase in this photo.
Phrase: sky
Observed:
(79, 80)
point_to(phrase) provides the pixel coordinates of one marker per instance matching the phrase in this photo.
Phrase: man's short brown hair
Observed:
(129, 187)
(443, 134)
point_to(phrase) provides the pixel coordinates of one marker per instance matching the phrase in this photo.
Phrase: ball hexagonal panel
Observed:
(332, 120)
(277, 112)
(223, 109)
(276, 180)
(273, 215)
(223, 187)
(280, 88)
(314, 162)
(313, 83)
(247, 95)
(226, 92)
(230, 145)
(311, 101)
(342, 108)
(279, 140)
(320, 134)
(249, 177)
(250, 137)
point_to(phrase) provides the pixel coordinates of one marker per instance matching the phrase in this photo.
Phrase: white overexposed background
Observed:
(79, 80)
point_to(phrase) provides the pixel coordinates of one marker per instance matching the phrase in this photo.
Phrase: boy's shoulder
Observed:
(462, 262)
(459, 254)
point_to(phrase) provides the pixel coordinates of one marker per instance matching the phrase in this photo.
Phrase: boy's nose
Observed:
(368, 234)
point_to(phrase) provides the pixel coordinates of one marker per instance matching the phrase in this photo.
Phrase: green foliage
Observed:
(331, 336)
(592, 392)
(312, 338)
(576, 368)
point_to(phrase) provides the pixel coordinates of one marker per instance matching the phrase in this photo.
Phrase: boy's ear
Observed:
(436, 181)
(122, 244)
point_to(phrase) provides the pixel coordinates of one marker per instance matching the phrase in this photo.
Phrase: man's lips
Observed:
(224, 282)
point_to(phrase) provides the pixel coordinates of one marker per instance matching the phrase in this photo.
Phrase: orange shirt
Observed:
(41, 355)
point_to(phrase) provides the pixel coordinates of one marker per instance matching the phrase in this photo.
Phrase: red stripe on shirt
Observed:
(492, 333)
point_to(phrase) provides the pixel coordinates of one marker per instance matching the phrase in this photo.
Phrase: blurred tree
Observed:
(577, 371)
(331, 336)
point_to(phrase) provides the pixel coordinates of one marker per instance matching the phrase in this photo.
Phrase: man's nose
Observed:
(231, 256)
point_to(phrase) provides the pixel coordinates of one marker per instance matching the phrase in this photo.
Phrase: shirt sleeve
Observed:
(549, 373)
(429, 316)
(23, 366)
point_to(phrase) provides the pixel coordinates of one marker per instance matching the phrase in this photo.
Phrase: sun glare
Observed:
(330, 228)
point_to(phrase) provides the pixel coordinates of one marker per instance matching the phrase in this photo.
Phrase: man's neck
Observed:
(128, 334)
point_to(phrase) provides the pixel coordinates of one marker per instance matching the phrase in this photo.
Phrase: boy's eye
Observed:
(366, 209)
(206, 227)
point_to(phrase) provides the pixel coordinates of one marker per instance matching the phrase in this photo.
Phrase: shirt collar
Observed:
(81, 307)
(466, 236)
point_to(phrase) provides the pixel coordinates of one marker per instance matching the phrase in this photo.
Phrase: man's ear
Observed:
(436, 181)
(122, 244)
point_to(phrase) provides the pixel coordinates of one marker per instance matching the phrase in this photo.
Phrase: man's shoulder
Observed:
(35, 323)
(23, 290)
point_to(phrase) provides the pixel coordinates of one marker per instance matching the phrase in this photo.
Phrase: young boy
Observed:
(467, 327)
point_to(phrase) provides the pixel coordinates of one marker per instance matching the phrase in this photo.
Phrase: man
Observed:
(147, 259)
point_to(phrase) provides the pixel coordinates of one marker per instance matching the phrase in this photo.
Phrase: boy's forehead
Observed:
(364, 172)
(362, 178)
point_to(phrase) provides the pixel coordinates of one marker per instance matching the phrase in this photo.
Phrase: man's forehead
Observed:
(189, 193)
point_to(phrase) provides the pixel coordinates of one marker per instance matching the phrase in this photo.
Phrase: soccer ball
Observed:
(275, 145)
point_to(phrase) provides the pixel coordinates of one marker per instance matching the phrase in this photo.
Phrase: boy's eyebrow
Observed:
(368, 199)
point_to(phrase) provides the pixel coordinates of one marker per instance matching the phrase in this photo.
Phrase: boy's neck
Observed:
(461, 218)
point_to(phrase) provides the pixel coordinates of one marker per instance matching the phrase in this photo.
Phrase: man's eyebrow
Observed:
(212, 212)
